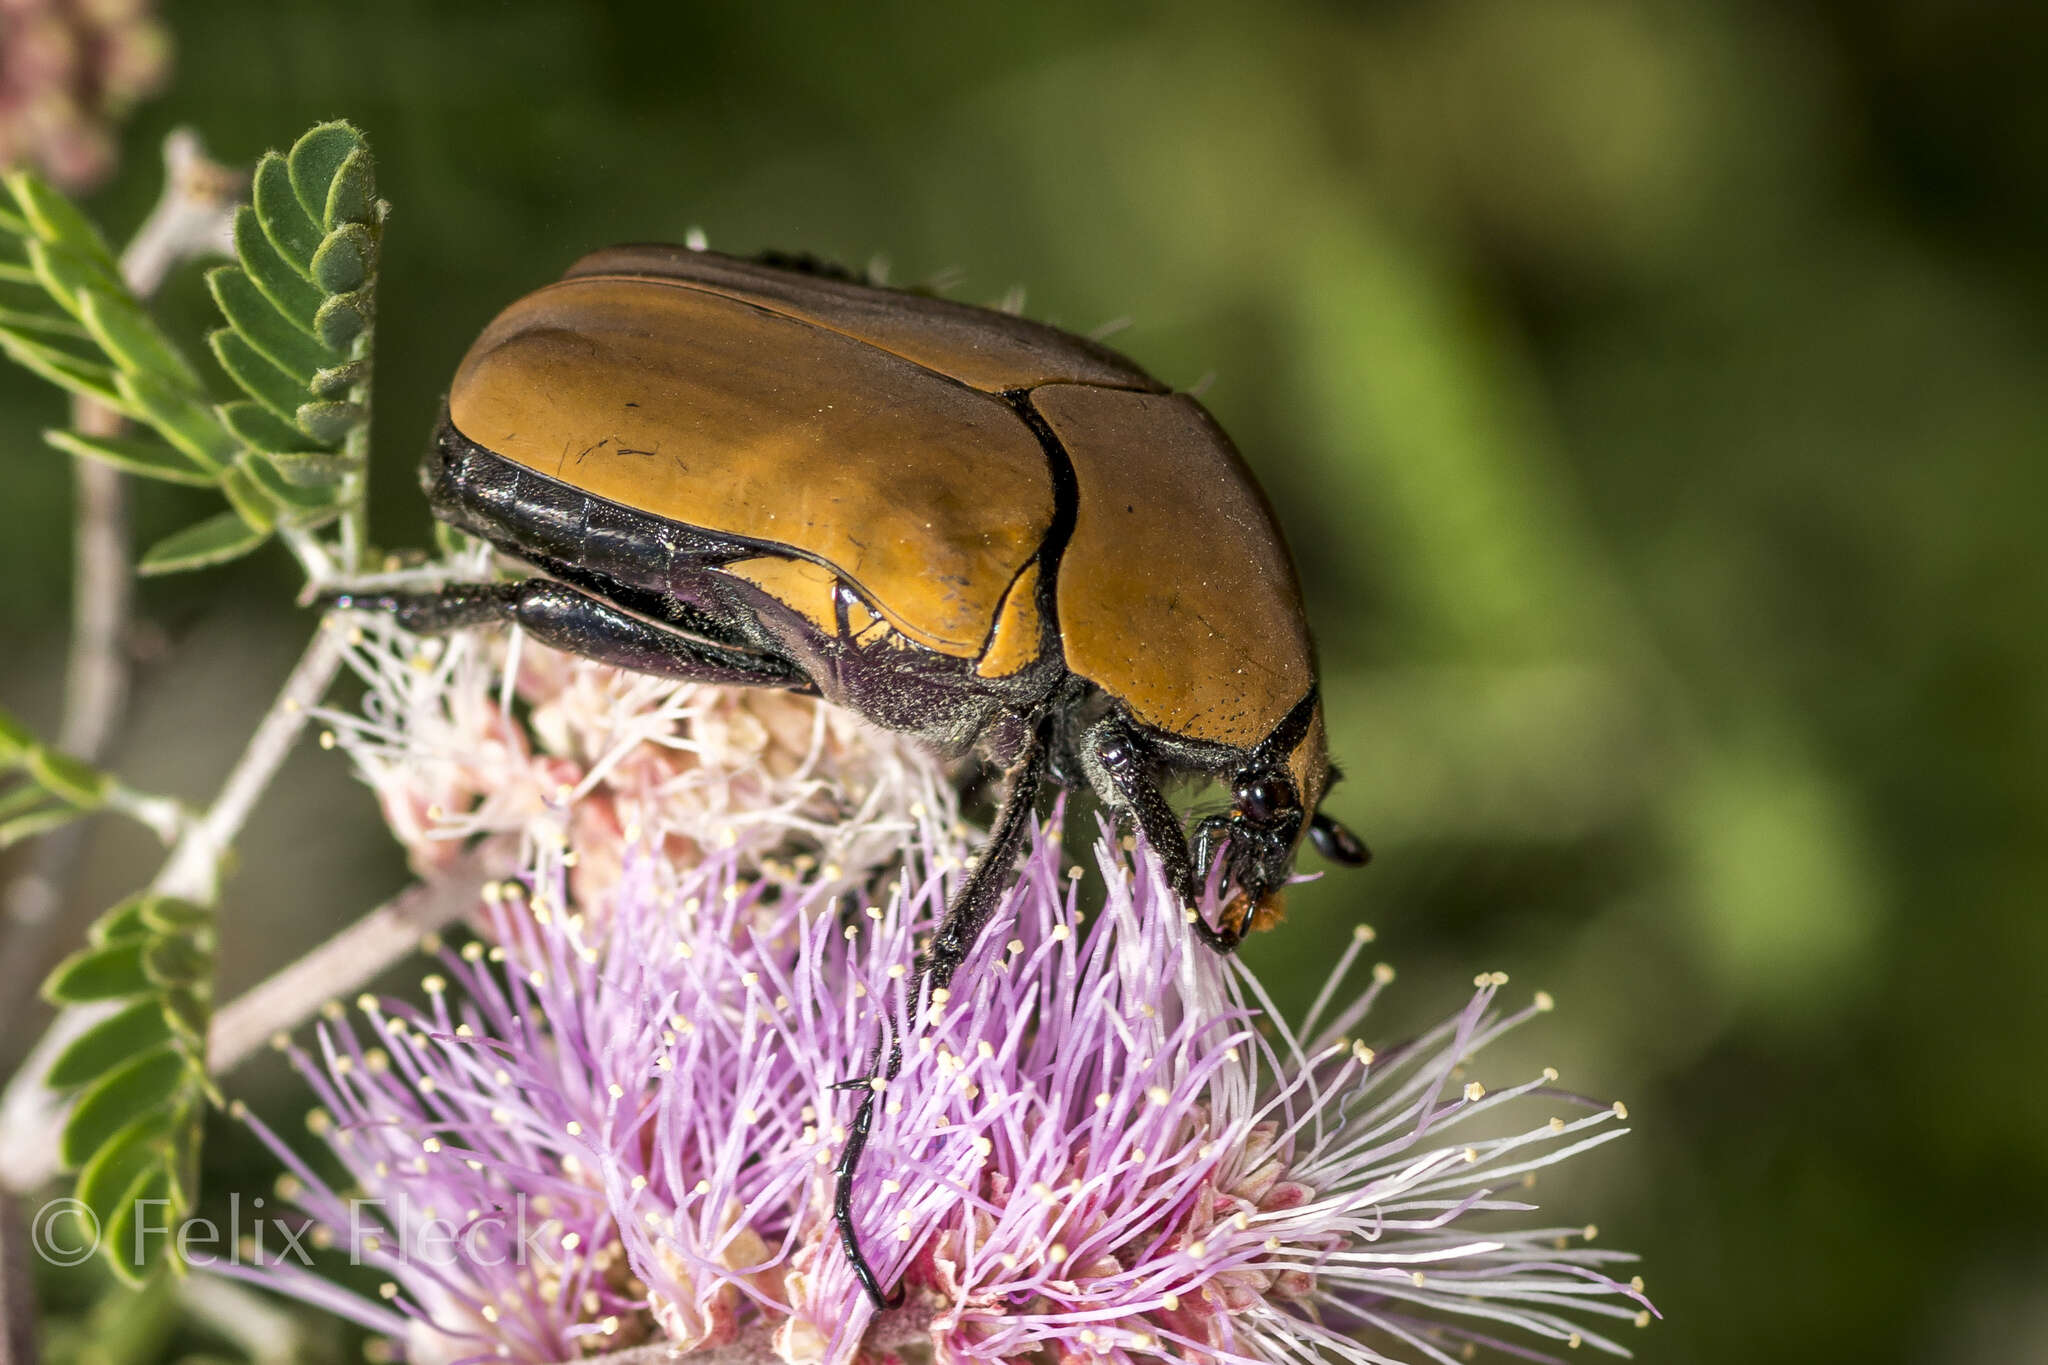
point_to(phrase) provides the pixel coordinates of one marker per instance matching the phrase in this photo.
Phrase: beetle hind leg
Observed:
(567, 619)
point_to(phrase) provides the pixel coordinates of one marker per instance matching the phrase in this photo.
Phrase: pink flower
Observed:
(1104, 1144)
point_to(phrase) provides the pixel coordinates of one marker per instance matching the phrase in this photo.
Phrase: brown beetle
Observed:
(964, 525)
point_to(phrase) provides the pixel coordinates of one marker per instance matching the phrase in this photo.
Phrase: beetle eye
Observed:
(1265, 798)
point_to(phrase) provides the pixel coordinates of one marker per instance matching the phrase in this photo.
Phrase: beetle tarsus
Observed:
(842, 1192)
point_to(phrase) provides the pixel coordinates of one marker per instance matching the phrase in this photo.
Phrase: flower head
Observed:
(1103, 1142)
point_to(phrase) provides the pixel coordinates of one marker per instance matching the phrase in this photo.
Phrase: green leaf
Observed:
(258, 428)
(343, 261)
(309, 468)
(213, 541)
(68, 778)
(70, 278)
(110, 1043)
(25, 797)
(177, 960)
(67, 370)
(343, 318)
(54, 323)
(105, 1178)
(15, 739)
(251, 503)
(337, 380)
(316, 158)
(56, 219)
(127, 335)
(181, 418)
(41, 822)
(16, 225)
(118, 1099)
(185, 1140)
(176, 915)
(144, 458)
(139, 1239)
(186, 1014)
(330, 423)
(352, 195)
(111, 971)
(259, 323)
(298, 499)
(256, 376)
(294, 232)
(123, 919)
(295, 296)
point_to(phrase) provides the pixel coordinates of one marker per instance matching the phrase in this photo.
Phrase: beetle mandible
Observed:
(964, 525)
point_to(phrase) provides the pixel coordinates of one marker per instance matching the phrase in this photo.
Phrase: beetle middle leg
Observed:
(568, 619)
(972, 906)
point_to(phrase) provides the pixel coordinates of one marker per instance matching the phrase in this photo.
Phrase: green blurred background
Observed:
(1654, 393)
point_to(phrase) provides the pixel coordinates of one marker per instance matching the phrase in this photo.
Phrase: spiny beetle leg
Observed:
(1114, 759)
(966, 917)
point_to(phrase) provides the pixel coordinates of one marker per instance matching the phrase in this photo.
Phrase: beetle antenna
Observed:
(1112, 327)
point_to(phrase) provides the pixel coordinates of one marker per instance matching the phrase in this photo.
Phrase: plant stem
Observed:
(193, 869)
(349, 960)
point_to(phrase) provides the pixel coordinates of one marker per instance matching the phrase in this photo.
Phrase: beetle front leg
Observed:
(1115, 761)
(564, 618)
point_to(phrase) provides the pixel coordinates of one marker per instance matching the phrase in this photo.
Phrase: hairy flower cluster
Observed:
(472, 736)
(69, 70)
(616, 1116)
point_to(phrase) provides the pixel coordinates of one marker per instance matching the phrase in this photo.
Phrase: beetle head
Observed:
(1263, 826)
(1274, 800)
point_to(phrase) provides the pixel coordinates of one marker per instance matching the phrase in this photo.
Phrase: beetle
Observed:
(967, 526)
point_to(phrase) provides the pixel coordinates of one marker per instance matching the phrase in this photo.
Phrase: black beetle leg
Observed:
(977, 898)
(563, 617)
(1114, 759)
(849, 1166)
(966, 917)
